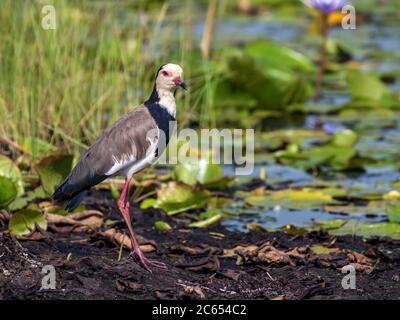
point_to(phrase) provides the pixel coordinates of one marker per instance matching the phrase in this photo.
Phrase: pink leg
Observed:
(123, 206)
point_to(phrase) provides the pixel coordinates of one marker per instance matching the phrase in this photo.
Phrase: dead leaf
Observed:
(199, 250)
(128, 285)
(299, 252)
(360, 262)
(265, 253)
(228, 253)
(360, 258)
(34, 236)
(231, 274)
(121, 238)
(194, 289)
(163, 294)
(208, 264)
(362, 267)
(82, 221)
(4, 216)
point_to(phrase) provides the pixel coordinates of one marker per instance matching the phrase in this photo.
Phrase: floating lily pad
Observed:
(329, 155)
(274, 88)
(197, 171)
(329, 224)
(23, 222)
(210, 213)
(362, 228)
(162, 226)
(9, 170)
(365, 86)
(22, 202)
(292, 199)
(393, 212)
(344, 138)
(276, 55)
(279, 138)
(371, 210)
(207, 222)
(8, 191)
(322, 249)
(147, 203)
(37, 193)
(53, 170)
(18, 203)
(178, 197)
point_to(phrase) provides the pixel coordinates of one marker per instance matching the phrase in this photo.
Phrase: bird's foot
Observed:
(138, 255)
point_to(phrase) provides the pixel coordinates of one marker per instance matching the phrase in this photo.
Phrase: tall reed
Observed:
(68, 84)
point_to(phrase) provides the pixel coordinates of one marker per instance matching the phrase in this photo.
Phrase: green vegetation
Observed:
(60, 88)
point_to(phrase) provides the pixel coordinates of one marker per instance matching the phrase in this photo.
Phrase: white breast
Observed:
(167, 101)
(129, 165)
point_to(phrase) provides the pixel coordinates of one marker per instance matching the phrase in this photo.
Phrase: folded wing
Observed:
(122, 145)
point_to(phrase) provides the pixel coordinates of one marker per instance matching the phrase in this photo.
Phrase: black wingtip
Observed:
(74, 202)
(68, 201)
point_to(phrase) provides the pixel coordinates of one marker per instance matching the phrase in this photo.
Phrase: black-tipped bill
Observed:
(178, 82)
(183, 86)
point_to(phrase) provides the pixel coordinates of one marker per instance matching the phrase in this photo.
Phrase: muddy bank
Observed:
(202, 264)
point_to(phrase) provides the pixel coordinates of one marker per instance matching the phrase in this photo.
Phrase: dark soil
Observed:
(200, 265)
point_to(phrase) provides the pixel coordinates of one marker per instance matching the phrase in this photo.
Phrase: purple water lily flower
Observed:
(326, 6)
(332, 127)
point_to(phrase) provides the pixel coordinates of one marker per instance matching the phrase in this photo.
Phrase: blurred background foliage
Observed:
(60, 88)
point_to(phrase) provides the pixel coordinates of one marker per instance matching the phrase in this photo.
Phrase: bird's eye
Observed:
(165, 73)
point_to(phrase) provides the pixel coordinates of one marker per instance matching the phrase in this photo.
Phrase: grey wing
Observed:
(125, 142)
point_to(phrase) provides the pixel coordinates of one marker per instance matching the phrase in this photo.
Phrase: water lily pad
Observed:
(370, 210)
(210, 213)
(365, 86)
(178, 197)
(329, 155)
(23, 222)
(362, 228)
(37, 193)
(207, 222)
(53, 170)
(279, 138)
(37, 147)
(329, 224)
(8, 191)
(9, 170)
(147, 203)
(162, 226)
(344, 138)
(271, 88)
(276, 55)
(197, 171)
(292, 199)
(393, 212)
(18, 203)
(22, 202)
(317, 249)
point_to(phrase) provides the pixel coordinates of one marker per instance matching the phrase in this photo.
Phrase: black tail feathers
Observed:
(74, 202)
(68, 201)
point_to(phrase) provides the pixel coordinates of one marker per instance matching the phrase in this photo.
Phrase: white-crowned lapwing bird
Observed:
(131, 144)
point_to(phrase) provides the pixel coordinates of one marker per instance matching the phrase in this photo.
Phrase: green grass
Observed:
(68, 84)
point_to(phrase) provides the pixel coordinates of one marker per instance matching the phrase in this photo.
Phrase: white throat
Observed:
(167, 101)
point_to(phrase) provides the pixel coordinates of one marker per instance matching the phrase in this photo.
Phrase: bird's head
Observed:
(169, 77)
